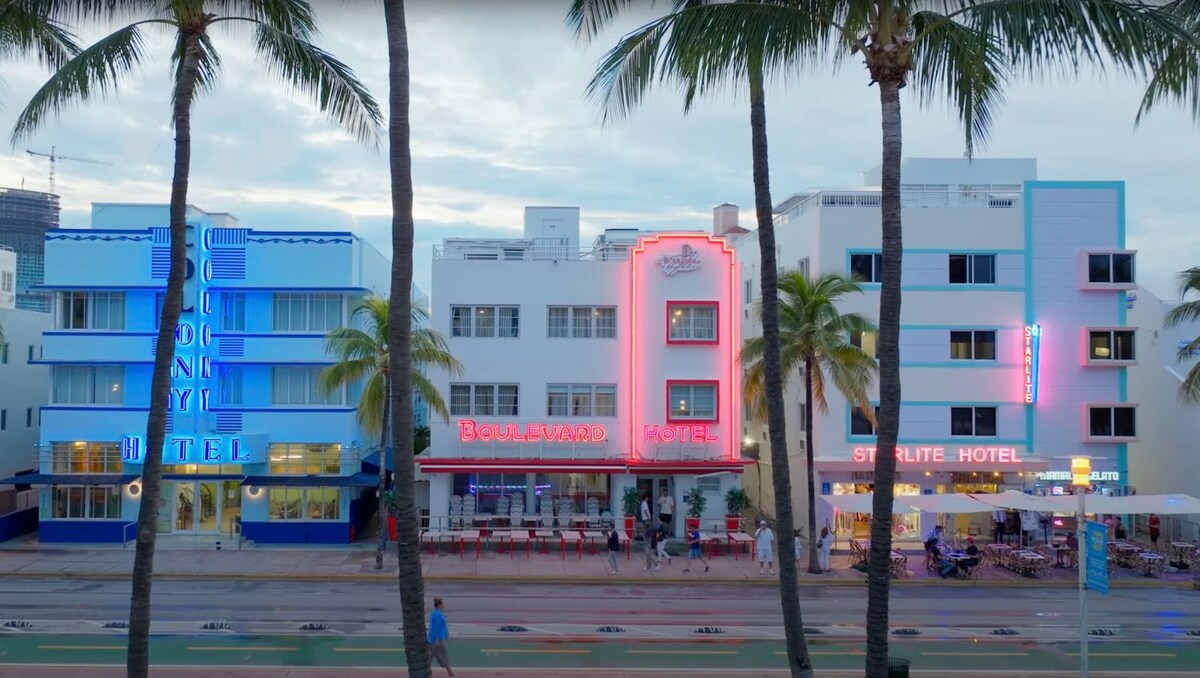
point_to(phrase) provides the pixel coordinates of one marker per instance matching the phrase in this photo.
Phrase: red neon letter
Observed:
(466, 430)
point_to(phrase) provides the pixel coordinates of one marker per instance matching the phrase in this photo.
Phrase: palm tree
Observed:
(35, 26)
(962, 50)
(408, 535)
(363, 358)
(815, 341)
(627, 71)
(1187, 312)
(283, 30)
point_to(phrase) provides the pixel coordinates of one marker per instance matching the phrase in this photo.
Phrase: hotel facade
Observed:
(585, 373)
(1014, 339)
(252, 443)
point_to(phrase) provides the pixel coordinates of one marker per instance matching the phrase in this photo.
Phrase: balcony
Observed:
(529, 249)
(983, 197)
(270, 348)
(88, 346)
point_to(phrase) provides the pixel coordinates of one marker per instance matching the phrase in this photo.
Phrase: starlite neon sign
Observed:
(1033, 354)
(470, 431)
(938, 455)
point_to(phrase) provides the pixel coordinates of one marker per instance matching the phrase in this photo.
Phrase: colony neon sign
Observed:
(938, 455)
(693, 433)
(470, 431)
(1033, 354)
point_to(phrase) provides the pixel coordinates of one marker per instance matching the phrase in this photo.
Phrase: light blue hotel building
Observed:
(252, 442)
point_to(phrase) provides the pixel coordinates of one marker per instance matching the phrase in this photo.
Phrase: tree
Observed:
(283, 30)
(815, 341)
(363, 358)
(964, 51)
(1188, 312)
(408, 536)
(34, 26)
(624, 75)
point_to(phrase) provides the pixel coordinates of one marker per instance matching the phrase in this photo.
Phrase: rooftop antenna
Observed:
(55, 157)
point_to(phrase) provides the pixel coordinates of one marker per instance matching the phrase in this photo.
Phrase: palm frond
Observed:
(586, 18)
(1187, 312)
(371, 405)
(1189, 390)
(28, 26)
(1176, 70)
(341, 374)
(349, 343)
(421, 384)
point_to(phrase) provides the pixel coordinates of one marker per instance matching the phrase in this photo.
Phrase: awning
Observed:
(201, 476)
(1167, 504)
(948, 503)
(71, 479)
(863, 502)
(1017, 500)
(372, 460)
(356, 480)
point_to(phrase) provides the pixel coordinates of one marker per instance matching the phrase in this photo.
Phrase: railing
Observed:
(536, 249)
(990, 197)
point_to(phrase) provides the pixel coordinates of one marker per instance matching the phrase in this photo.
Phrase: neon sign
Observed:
(938, 455)
(693, 433)
(688, 259)
(470, 431)
(1033, 354)
(1101, 476)
(190, 450)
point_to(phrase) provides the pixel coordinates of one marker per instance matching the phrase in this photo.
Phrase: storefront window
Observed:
(570, 489)
(296, 503)
(202, 469)
(858, 525)
(285, 503)
(86, 502)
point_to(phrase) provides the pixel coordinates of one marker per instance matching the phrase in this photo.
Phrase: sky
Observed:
(500, 121)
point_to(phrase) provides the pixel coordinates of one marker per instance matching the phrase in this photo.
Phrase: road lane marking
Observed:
(975, 654)
(538, 651)
(239, 648)
(1126, 654)
(83, 647)
(724, 652)
(368, 649)
(827, 653)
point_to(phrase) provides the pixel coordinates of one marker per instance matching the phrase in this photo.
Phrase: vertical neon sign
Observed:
(1032, 361)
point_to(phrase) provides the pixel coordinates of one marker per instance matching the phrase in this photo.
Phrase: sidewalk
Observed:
(330, 564)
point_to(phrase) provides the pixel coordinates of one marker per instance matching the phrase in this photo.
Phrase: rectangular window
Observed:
(460, 321)
(73, 501)
(581, 400)
(975, 269)
(83, 457)
(299, 503)
(3, 419)
(28, 417)
(1117, 421)
(581, 322)
(557, 400)
(91, 310)
(299, 385)
(867, 268)
(803, 417)
(509, 322)
(972, 344)
(88, 385)
(485, 321)
(692, 322)
(460, 400)
(1114, 345)
(860, 425)
(1111, 268)
(747, 291)
(557, 322)
(7, 281)
(694, 401)
(233, 311)
(606, 322)
(304, 459)
(3, 354)
(802, 267)
(972, 421)
(308, 312)
(867, 341)
(484, 400)
(229, 385)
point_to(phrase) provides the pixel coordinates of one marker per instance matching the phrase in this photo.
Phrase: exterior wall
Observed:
(8, 278)
(23, 387)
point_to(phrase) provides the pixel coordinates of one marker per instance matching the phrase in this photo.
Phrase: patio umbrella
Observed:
(1096, 503)
(1165, 504)
(948, 503)
(862, 503)
(1017, 500)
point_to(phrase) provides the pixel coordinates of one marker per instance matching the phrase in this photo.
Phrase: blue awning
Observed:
(372, 461)
(71, 479)
(201, 476)
(356, 480)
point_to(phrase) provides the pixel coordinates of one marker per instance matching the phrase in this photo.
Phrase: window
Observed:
(29, 354)
(298, 385)
(708, 485)
(3, 354)
(1110, 268)
(867, 268)
(297, 503)
(581, 322)
(1114, 345)
(233, 311)
(692, 322)
(747, 291)
(973, 345)
(803, 417)
(860, 425)
(692, 401)
(581, 400)
(485, 321)
(304, 459)
(7, 281)
(91, 311)
(229, 385)
(802, 267)
(484, 400)
(3, 419)
(976, 269)
(87, 385)
(1115, 421)
(28, 417)
(82, 457)
(317, 312)
(868, 341)
(72, 501)
(972, 421)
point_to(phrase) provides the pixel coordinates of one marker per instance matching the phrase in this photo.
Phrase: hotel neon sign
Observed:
(681, 433)
(470, 431)
(190, 450)
(1032, 362)
(938, 455)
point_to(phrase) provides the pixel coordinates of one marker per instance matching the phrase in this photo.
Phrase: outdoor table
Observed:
(1183, 550)
(996, 553)
(712, 540)
(543, 537)
(434, 537)
(623, 540)
(500, 536)
(469, 535)
(1060, 551)
(737, 539)
(519, 536)
(530, 519)
(573, 538)
(1126, 553)
(592, 537)
(1030, 563)
(1151, 564)
(898, 562)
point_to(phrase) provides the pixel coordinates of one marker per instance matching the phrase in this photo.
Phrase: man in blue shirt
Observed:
(439, 633)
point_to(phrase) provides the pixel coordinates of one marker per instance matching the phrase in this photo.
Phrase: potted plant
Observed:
(736, 501)
(630, 502)
(696, 503)
(389, 505)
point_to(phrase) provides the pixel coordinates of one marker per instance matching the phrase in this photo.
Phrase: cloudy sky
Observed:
(500, 121)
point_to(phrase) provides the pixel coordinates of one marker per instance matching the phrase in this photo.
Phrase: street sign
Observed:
(1097, 556)
(826, 488)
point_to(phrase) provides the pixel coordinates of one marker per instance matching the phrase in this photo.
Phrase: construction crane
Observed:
(55, 157)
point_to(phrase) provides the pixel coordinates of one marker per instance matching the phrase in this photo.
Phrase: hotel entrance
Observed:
(198, 506)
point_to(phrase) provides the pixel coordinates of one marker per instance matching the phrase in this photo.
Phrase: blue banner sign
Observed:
(1097, 556)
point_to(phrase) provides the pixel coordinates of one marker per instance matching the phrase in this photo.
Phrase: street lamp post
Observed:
(1081, 478)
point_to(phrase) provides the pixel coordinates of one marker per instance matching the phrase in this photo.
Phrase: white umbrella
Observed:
(1096, 503)
(1166, 504)
(948, 503)
(1017, 500)
(863, 503)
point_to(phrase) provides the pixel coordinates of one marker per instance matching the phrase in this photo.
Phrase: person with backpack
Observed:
(614, 549)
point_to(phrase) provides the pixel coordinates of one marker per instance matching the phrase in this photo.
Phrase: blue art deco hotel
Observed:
(252, 441)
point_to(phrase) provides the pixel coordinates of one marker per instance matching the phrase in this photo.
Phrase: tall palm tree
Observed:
(408, 535)
(815, 341)
(1187, 312)
(964, 51)
(363, 358)
(623, 76)
(35, 26)
(283, 30)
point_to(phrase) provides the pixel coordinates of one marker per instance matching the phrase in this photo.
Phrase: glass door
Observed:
(197, 506)
(208, 512)
(185, 506)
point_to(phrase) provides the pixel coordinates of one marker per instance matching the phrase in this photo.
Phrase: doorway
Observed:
(199, 506)
(652, 487)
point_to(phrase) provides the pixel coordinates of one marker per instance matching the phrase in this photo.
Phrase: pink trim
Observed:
(715, 383)
(460, 465)
(716, 306)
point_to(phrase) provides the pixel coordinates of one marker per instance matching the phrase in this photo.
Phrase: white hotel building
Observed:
(1014, 342)
(585, 373)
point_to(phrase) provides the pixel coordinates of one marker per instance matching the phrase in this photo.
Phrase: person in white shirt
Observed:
(666, 511)
(645, 516)
(824, 549)
(764, 541)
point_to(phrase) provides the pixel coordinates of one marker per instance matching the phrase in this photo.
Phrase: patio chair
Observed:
(515, 513)
(546, 508)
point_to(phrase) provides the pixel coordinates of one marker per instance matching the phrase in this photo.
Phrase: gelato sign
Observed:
(688, 259)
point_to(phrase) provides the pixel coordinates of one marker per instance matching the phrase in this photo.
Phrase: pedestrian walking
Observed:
(614, 548)
(764, 540)
(999, 517)
(1155, 529)
(652, 550)
(666, 511)
(694, 552)
(796, 543)
(662, 544)
(439, 633)
(824, 548)
(645, 515)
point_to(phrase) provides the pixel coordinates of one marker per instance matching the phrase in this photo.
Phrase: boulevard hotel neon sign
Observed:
(470, 431)
(1033, 355)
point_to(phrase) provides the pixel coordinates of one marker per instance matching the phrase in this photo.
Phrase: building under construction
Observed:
(25, 216)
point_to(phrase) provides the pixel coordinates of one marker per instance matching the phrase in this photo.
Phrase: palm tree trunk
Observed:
(138, 655)
(789, 590)
(383, 456)
(814, 565)
(879, 563)
(412, 584)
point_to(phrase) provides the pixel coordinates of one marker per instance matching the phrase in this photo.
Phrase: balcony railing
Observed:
(1002, 196)
(533, 249)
